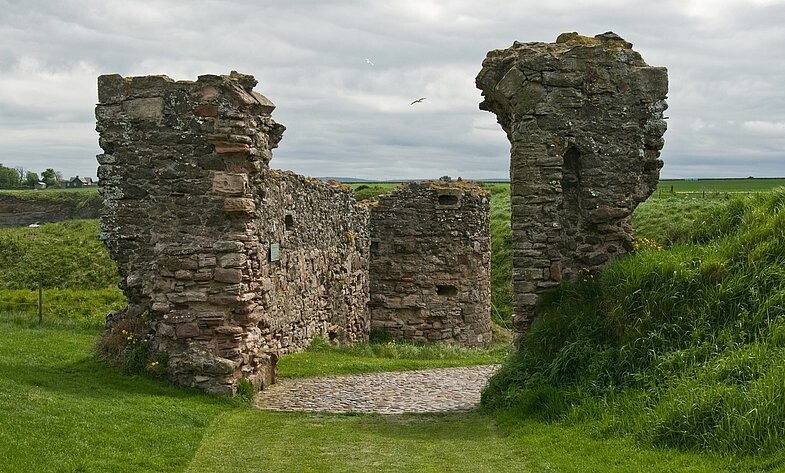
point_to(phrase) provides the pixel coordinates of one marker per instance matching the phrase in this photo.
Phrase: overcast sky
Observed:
(345, 117)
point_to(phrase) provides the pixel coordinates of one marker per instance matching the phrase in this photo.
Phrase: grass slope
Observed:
(683, 347)
(665, 218)
(61, 410)
(64, 255)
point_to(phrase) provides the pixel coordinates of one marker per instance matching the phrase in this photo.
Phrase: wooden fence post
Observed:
(40, 302)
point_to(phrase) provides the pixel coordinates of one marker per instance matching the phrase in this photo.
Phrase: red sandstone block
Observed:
(228, 275)
(187, 330)
(239, 205)
(223, 147)
(229, 330)
(206, 110)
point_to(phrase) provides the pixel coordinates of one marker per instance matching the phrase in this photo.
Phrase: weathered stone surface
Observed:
(228, 275)
(228, 183)
(430, 263)
(584, 117)
(146, 108)
(239, 205)
(190, 213)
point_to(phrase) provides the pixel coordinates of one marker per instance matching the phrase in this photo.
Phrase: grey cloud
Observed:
(347, 118)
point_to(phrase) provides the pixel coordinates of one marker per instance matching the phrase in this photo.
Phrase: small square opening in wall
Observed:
(446, 290)
(375, 246)
(448, 199)
(288, 221)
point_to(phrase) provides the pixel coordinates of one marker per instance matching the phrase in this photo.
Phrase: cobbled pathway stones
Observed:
(436, 390)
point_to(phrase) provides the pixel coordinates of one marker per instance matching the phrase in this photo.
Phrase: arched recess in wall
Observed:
(571, 185)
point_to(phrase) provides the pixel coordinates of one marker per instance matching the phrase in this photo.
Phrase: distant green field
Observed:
(720, 185)
(665, 185)
(49, 193)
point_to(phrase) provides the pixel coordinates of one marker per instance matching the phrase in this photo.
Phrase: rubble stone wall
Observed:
(191, 215)
(319, 286)
(584, 117)
(430, 263)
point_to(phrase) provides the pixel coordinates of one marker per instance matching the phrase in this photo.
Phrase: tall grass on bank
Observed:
(501, 253)
(681, 347)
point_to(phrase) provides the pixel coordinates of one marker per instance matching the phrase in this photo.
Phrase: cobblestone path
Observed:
(436, 390)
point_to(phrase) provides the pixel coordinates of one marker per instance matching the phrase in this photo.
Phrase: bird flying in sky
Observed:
(368, 61)
(418, 101)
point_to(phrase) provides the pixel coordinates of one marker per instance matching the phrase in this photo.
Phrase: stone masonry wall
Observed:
(197, 224)
(584, 118)
(430, 263)
(319, 287)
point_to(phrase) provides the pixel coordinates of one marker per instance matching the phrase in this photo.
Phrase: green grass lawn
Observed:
(322, 359)
(62, 410)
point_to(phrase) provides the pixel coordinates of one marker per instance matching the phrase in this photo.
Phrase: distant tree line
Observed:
(20, 178)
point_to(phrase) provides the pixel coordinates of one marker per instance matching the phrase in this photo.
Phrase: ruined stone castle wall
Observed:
(430, 263)
(319, 284)
(584, 117)
(192, 215)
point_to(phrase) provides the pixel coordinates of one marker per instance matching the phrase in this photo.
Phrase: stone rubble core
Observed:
(430, 263)
(584, 117)
(230, 263)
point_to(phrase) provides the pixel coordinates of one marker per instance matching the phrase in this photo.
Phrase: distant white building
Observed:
(78, 181)
(40, 185)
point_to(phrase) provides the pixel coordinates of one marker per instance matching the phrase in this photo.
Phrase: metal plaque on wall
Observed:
(275, 252)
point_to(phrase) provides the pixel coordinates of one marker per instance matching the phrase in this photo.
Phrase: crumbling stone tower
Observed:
(225, 262)
(584, 118)
(430, 263)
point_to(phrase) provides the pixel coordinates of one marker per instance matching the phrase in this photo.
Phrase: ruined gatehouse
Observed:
(228, 263)
(584, 117)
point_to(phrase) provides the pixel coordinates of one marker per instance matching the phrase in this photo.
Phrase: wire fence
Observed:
(36, 306)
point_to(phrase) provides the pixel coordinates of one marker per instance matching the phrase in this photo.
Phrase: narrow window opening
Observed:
(571, 171)
(375, 246)
(571, 208)
(446, 290)
(288, 221)
(448, 199)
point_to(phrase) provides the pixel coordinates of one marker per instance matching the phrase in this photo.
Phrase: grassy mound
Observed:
(64, 255)
(78, 277)
(681, 347)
